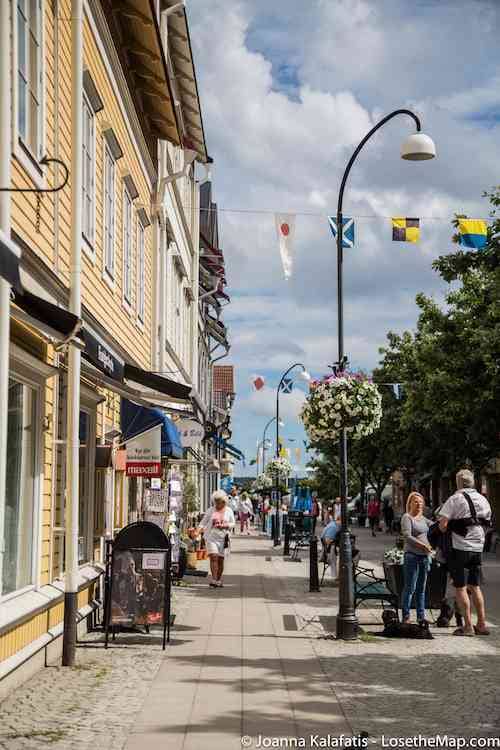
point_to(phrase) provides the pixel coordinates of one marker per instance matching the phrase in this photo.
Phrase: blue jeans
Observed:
(416, 568)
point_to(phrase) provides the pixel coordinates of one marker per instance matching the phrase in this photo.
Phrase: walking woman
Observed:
(373, 513)
(414, 527)
(217, 522)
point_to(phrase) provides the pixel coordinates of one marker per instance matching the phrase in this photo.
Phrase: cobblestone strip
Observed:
(92, 705)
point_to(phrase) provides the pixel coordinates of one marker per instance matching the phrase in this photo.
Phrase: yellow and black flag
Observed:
(405, 229)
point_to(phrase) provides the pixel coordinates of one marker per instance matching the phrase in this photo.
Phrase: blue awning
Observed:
(233, 451)
(136, 419)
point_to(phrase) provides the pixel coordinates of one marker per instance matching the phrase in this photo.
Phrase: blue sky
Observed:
(287, 90)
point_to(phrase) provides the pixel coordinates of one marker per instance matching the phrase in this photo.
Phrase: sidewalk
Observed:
(252, 660)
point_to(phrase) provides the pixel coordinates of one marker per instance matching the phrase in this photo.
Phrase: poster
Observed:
(156, 501)
(138, 588)
(144, 454)
(192, 432)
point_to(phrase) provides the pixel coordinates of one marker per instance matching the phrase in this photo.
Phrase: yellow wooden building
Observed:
(140, 112)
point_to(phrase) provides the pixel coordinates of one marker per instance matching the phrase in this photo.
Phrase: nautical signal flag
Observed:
(472, 233)
(258, 382)
(285, 229)
(347, 230)
(405, 229)
(287, 385)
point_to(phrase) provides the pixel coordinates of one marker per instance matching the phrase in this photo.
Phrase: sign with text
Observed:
(144, 454)
(191, 432)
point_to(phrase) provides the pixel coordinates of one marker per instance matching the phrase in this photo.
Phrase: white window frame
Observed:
(88, 175)
(127, 248)
(109, 215)
(141, 273)
(20, 147)
(32, 372)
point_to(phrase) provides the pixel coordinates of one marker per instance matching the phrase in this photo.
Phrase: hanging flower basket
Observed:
(347, 401)
(278, 467)
(262, 482)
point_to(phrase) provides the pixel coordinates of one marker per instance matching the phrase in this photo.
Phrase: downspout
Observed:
(5, 149)
(74, 363)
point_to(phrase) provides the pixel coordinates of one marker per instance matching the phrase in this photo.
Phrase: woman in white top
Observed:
(216, 524)
(245, 510)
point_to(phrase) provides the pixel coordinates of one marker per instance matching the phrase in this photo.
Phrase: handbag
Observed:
(226, 541)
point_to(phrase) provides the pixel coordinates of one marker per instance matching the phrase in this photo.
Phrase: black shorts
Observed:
(461, 560)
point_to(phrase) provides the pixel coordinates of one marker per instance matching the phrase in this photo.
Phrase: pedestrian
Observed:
(315, 513)
(245, 510)
(337, 510)
(388, 513)
(373, 513)
(217, 522)
(417, 559)
(233, 502)
(467, 514)
(328, 538)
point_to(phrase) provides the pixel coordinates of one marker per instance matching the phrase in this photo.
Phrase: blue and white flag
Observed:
(287, 385)
(348, 230)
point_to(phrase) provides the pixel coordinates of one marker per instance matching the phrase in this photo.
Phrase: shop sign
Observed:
(102, 358)
(191, 432)
(144, 454)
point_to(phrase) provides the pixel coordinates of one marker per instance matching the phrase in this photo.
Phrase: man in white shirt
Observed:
(468, 524)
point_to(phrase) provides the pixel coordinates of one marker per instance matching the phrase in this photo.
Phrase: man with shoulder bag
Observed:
(467, 514)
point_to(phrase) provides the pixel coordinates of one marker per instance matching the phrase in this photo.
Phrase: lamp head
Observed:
(304, 375)
(281, 423)
(418, 147)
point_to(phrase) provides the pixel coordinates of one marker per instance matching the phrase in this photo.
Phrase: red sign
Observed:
(144, 469)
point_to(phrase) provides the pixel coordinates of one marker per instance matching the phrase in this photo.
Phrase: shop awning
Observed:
(54, 321)
(130, 381)
(170, 388)
(9, 262)
(136, 419)
(235, 452)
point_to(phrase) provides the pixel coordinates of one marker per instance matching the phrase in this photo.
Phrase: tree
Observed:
(450, 366)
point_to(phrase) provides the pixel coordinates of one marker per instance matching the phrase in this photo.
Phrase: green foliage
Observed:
(191, 496)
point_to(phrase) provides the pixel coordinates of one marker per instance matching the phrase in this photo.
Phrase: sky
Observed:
(288, 89)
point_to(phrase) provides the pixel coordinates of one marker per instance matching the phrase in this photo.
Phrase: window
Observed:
(29, 74)
(109, 212)
(127, 247)
(17, 572)
(141, 272)
(88, 193)
(86, 486)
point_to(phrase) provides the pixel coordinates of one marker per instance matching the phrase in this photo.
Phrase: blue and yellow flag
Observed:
(472, 233)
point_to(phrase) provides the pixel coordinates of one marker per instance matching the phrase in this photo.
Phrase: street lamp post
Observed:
(417, 147)
(305, 376)
(281, 424)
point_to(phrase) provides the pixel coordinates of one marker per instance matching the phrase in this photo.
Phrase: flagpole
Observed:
(277, 417)
(347, 622)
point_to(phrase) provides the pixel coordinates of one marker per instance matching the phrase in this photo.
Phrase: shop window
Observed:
(86, 485)
(19, 533)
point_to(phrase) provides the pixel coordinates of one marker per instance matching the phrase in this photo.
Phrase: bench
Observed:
(370, 588)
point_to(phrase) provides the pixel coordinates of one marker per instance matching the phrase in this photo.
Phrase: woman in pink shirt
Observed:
(216, 524)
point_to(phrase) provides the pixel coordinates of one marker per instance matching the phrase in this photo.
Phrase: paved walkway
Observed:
(251, 660)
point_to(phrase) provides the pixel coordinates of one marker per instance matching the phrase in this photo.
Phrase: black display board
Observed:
(138, 579)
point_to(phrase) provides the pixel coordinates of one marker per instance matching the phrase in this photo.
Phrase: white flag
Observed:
(285, 228)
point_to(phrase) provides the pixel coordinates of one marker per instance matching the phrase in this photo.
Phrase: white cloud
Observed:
(353, 60)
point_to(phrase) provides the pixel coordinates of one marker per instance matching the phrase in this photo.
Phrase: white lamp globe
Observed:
(304, 375)
(418, 147)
